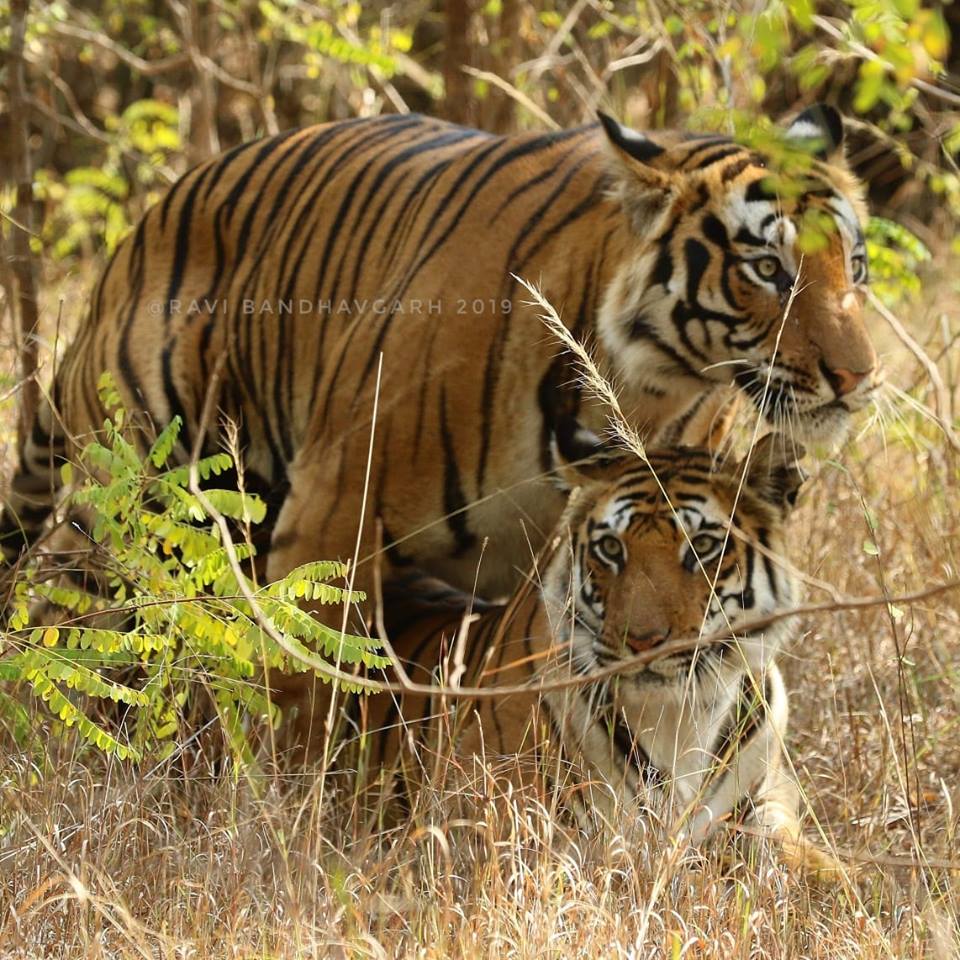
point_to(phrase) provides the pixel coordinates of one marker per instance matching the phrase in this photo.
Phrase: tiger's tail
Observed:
(35, 486)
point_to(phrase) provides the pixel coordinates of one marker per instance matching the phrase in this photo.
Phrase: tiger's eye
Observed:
(703, 543)
(858, 267)
(610, 548)
(767, 267)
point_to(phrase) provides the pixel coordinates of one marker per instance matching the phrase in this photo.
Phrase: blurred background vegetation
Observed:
(123, 96)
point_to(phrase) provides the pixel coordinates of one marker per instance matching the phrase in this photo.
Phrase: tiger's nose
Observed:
(843, 381)
(639, 642)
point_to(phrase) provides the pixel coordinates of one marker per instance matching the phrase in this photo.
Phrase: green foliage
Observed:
(90, 207)
(728, 65)
(90, 203)
(889, 42)
(895, 256)
(187, 621)
(328, 31)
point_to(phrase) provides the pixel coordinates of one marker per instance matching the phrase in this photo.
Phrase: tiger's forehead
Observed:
(755, 217)
(625, 515)
(739, 182)
(682, 496)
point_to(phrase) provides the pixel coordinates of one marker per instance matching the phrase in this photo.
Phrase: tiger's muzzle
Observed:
(642, 642)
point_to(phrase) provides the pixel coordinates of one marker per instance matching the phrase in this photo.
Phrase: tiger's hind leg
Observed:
(66, 563)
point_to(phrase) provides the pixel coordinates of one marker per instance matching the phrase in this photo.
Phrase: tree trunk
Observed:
(22, 261)
(457, 100)
(199, 29)
(508, 54)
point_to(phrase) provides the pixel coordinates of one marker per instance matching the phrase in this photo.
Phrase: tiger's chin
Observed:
(825, 426)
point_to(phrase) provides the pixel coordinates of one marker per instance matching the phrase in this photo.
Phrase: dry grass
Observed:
(102, 860)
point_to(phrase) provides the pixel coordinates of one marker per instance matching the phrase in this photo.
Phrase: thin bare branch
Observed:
(149, 68)
(828, 26)
(511, 91)
(941, 396)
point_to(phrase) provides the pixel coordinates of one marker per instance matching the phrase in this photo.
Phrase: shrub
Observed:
(187, 617)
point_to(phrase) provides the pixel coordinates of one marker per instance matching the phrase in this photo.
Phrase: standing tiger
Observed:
(301, 260)
(643, 554)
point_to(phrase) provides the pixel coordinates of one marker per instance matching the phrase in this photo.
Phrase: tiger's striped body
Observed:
(298, 262)
(705, 727)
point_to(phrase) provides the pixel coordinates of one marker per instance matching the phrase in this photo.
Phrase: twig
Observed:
(423, 78)
(556, 41)
(828, 27)
(511, 91)
(635, 60)
(39, 107)
(379, 620)
(389, 90)
(351, 578)
(145, 67)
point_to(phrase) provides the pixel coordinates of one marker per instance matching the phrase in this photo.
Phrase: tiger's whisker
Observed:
(726, 363)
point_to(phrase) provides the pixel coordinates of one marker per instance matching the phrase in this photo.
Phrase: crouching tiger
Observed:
(629, 567)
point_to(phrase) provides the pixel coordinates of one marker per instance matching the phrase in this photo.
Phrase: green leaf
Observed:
(245, 507)
(164, 444)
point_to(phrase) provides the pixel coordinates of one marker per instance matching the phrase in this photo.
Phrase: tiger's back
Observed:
(265, 257)
(288, 266)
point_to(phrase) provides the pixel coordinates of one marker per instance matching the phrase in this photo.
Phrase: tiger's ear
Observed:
(579, 456)
(774, 473)
(821, 127)
(645, 191)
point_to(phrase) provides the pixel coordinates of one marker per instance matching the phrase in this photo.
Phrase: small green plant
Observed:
(187, 620)
(895, 255)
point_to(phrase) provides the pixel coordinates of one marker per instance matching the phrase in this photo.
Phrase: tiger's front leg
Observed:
(319, 521)
(773, 802)
(775, 813)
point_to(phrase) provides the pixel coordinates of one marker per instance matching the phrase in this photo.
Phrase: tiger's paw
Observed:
(812, 863)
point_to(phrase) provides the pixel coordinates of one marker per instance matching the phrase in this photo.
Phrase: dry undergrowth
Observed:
(98, 859)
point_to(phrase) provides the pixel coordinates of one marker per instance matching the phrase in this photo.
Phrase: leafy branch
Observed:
(191, 615)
